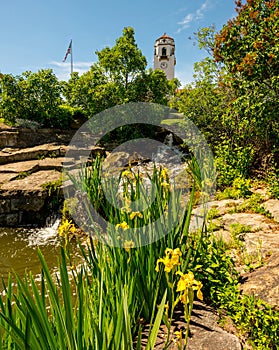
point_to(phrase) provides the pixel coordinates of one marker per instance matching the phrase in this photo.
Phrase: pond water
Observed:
(18, 249)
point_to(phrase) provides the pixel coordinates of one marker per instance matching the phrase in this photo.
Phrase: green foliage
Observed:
(253, 204)
(238, 231)
(102, 303)
(273, 181)
(247, 46)
(240, 189)
(255, 319)
(23, 175)
(260, 320)
(234, 98)
(114, 288)
(213, 213)
(53, 187)
(124, 61)
(248, 43)
(48, 316)
(33, 96)
(202, 101)
(118, 77)
(232, 161)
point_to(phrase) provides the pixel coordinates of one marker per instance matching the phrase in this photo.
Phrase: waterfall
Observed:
(47, 234)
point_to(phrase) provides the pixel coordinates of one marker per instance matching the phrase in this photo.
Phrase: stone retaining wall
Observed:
(23, 137)
(27, 208)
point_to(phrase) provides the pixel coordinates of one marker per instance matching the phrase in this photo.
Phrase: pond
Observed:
(18, 249)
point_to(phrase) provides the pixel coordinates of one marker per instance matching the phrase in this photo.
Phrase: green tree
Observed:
(33, 96)
(204, 101)
(248, 44)
(119, 76)
(248, 47)
(11, 97)
(124, 61)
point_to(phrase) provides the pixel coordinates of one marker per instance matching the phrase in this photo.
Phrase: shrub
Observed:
(232, 161)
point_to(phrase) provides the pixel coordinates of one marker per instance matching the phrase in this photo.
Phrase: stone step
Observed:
(30, 183)
(10, 155)
(31, 166)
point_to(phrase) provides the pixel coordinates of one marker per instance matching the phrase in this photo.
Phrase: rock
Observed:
(205, 333)
(257, 250)
(27, 137)
(36, 152)
(6, 177)
(31, 183)
(272, 205)
(20, 167)
(29, 159)
(25, 201)
(255, 221)
(8, 138)
(264, 282)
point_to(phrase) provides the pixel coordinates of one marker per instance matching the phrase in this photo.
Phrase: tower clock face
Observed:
(163, 65)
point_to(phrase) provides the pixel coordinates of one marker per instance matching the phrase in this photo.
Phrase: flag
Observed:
(69, 51)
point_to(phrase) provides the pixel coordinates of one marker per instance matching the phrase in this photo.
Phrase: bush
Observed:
(232, 161)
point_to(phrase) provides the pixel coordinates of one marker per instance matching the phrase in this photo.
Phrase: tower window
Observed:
(164, 51)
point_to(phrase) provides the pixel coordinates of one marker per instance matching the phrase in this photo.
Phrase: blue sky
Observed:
(35, 34)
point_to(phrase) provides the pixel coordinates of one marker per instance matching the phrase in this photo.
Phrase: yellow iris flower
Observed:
(136, 214)
(128, 245)
(67, 227)
(170, 260)
(164, 173)
(124, 226)
(188, 281)
(127, 173)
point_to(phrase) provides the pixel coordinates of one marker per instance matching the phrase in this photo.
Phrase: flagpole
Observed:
(72, 65)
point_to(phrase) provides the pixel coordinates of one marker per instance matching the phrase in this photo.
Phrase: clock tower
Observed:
(164, 58)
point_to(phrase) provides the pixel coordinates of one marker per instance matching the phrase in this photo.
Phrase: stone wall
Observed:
(24, 209)
(23, 137)
(30, 159)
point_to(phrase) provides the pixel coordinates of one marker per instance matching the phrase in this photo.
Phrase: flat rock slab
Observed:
(6, 177)
(30, 183)
(264, 282)
(256, 221)
(19, 167)
(272, 205)
(205, 333)
(10, 156)
(32, 165)
(262, 242)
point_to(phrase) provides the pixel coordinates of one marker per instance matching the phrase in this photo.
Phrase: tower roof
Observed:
(165, 36)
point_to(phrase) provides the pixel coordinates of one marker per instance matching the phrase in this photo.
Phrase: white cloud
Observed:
(185, 23)
(201, 10)
(192, 17)
(63, 69)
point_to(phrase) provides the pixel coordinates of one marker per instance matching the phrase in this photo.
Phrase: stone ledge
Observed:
(27, 201)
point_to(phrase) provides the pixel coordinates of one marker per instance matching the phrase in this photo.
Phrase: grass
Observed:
(23, 174)
(172, 121)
